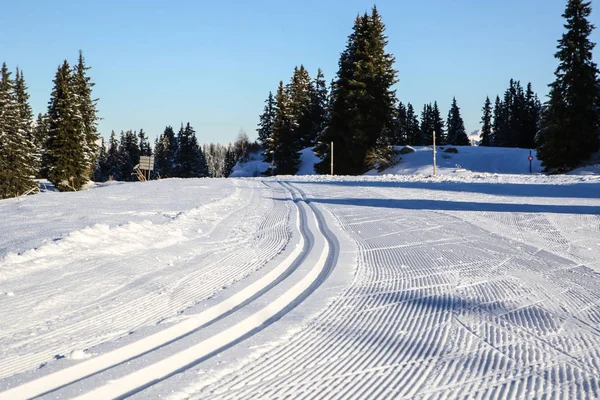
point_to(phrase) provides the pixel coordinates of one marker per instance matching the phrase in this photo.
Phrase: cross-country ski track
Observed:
(315, 288)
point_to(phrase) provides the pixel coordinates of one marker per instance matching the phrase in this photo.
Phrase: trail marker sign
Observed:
(147, 163)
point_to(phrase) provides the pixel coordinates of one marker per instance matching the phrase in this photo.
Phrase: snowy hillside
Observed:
(492, 160)
(469, 159)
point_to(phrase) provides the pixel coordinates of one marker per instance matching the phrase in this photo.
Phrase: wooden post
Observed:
(331, 158)
(434, 155)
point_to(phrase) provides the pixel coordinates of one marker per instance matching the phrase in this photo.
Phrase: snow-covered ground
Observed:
(472, 284)
(470, 158)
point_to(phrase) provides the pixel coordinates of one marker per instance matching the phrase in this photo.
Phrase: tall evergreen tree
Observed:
(530, 123)
(128, 155)
(83, 85)
(413, 130)
(69, 167)
(230, 162)
(426, 126)
(571, 121)
(400, 133)
(438, 125)
(284, 145)
(499, 124)
(113, 167)
(145, 148)
(319, 103)
(165, 149)
(16, 152)
(457, 135)
(300, 91)
(363, 102)
(189, 159)
(102, 171)
(265, 126)
(40, 137)
(25, 111)
(486, 121)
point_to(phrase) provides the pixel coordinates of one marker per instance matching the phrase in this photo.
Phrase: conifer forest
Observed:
(359, 111)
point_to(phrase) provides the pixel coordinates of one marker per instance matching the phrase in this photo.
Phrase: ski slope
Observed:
(396, 286)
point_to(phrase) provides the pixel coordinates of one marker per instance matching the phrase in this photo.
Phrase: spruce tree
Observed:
(102, 171)
(189, 159)
(457, 135)
(128, 155)
(401, 132)
(16, 150)
(284, 144)
(486, 120)
(40, 137)
(25, 111)
(438, 125)
(265, 126)
(363, 103)
(230, 162)
(113, 167)
(571, 121)
(164, 153)
(413, 130)
(319, 104)
(300, 94)
(145, 148)
(426, 126)
(68, 167)
(531, 119)
(500, 122)
(87, 109)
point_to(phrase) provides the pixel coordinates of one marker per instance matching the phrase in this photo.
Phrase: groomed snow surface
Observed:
(473, 284)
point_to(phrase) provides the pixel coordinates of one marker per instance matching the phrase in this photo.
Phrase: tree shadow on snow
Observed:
(446, 205)
(576, 190)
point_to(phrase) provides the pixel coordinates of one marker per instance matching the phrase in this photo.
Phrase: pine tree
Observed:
(189, 159)
(413, 130)
(165, 149)
(426, 126)
(486, 120)
(69, 167)
(500, 123)
(16, 152)
(102, 171)
(40, 138)
(87, 109)
(457, 136)
(571, 121)
(319, 104)
(531, 119)
(25, 111)
(145, 148)
(230, 162)
(284, 145)
(128, 155)
(401, 132)
(438, 125)
(300, 90)
(113, 171)
(363, 104)
(265, 126)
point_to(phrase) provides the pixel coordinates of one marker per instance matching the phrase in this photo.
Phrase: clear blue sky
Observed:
(212, 63)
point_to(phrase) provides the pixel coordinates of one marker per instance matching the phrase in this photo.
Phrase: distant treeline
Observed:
(360, 112)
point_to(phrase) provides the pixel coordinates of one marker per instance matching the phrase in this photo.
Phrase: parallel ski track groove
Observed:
(330, 263)
(469, 335)
(194, 288)
(271, 247)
